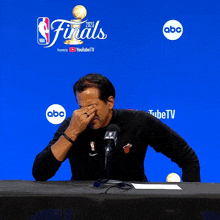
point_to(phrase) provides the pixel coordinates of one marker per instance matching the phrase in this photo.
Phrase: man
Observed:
(80, 138)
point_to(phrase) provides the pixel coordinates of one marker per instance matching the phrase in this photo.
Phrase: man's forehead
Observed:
(91, 91)
(88, 97)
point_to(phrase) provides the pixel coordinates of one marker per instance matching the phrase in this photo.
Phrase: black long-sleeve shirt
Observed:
(138, 130)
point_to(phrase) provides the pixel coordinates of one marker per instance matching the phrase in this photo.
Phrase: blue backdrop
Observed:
(149, 71)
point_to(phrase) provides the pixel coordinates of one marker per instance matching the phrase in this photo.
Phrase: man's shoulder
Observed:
(67, 121)
(132, 115)
(131, 112)
(64, 124)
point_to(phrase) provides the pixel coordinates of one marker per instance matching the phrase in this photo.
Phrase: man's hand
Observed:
(80, 119)
(79, 122)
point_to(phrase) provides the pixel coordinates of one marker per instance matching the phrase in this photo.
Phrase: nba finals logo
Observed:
(72, 30)
(43, 31)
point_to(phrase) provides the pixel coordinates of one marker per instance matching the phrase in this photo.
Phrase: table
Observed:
(32, 200)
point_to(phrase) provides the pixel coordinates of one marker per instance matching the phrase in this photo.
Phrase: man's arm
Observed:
(45, 164)
(77, 125)
(49, 160)
(168, 142)
(184, 156)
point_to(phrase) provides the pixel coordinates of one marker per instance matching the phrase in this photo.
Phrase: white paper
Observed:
(156, 186)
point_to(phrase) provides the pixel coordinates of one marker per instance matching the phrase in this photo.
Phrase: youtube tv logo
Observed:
(77, 49)
(72, 49)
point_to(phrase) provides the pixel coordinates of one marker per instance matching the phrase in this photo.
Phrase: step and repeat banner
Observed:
(163, 57)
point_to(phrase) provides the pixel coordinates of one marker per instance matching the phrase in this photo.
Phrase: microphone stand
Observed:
(107, 153)
(108, 182)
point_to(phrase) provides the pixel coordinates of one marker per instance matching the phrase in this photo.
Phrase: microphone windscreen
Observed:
(113, 127)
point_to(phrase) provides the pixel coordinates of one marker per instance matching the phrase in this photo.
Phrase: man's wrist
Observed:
(71, 133)
(68, 138)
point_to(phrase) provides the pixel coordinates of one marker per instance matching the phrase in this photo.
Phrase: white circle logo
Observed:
(172, 30)
(56, 114)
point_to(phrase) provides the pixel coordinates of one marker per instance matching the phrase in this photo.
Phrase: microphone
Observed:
(112, 138)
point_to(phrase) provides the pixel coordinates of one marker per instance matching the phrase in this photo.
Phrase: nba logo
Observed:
(43, 31)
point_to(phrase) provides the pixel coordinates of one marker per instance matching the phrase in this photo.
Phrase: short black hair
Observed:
(95, 80)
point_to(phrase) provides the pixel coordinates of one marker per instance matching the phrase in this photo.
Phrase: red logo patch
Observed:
(127, 148)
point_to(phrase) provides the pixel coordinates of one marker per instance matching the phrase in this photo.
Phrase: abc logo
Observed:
(172, 30)
(56, 114)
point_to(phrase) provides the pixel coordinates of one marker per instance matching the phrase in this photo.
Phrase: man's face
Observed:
(103, 114)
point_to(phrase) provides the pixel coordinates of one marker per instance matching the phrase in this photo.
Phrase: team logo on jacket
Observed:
(127, 148)
(92, 146)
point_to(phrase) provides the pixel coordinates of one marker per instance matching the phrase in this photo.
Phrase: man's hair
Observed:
(94, 80)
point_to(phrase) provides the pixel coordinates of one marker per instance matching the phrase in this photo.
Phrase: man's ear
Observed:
(110, 102)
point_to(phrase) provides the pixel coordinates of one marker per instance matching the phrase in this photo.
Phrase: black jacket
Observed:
(138, 130)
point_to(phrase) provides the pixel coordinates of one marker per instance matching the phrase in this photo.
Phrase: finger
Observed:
(90, 117)
(94, 109)
(89, 111)
(88, 114)
(83, 110)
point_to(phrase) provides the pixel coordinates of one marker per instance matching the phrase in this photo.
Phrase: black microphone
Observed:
(111, 136)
